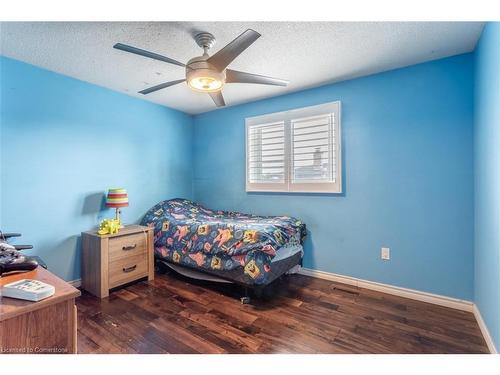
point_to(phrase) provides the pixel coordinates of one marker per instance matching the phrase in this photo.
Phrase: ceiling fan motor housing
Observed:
(201, 76)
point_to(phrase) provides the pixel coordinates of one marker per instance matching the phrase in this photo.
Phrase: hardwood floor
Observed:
(305, 315)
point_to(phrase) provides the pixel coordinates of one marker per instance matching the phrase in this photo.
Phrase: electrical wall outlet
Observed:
(385, 253)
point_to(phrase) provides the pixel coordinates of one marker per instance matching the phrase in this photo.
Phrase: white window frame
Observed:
(287, 116)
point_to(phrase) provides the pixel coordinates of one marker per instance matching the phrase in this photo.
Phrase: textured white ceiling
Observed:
(307, 53)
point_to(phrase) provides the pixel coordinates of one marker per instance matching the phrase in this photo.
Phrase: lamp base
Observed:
(117, 217)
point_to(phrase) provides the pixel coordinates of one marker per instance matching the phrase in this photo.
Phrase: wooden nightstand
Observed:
(112, 260)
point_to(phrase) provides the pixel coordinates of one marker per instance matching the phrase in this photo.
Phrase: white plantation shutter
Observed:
(266, 153)
(295, 151)
(312, 149)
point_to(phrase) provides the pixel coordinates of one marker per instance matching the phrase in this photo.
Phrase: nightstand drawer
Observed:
(127, 269)
(127, 246)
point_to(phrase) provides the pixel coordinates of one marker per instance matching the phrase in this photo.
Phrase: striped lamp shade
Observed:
(117, 198)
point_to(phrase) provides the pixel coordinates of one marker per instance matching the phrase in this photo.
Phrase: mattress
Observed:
(288, 257)
(190, 235)
(287, 252)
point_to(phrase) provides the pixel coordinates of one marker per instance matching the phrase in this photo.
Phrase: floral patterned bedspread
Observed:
(191, 235)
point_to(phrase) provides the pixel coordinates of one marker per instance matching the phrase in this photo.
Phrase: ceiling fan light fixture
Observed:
(207, 84)
(205, 80)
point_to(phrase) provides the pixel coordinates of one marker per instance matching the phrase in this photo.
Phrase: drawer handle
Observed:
(130, 269)
(131, 247)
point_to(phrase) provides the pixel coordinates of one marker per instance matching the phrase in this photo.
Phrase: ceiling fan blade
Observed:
(234, 76)
(217, 98)
(145, 53)
(227, 54)
(161, 86)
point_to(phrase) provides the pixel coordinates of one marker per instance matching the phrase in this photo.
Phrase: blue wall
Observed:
(487, 178)
(407, 144)
(64, 142)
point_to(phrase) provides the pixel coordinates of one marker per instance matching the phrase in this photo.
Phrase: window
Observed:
(295, 151)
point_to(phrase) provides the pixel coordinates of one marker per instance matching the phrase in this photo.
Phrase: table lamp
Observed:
(117, 198)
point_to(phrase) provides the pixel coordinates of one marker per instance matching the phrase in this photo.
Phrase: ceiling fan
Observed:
(209, 73)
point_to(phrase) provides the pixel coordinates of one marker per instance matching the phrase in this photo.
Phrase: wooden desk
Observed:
(47, 326)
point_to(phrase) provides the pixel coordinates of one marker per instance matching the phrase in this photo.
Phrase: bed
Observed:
(246, 249)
